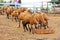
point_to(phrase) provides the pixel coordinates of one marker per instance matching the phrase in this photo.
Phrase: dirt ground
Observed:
(9, 30)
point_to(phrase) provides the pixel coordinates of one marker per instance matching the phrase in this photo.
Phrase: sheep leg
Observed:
(29, 28)
(47, 24)
(32, 28)
(8, 16)
(24, 27)
(40, 26)
(15, 19)
(2, 12)
(36, 26)
(12, 17)
(19, 23)
(44, 27)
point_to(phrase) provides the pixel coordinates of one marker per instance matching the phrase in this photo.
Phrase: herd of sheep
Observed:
(33, 20)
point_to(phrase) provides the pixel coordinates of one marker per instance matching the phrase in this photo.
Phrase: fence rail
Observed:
(34, 7)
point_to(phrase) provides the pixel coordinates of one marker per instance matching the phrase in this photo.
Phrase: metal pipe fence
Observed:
(48, 7)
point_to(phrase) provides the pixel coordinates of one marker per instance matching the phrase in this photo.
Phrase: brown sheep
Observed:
(37, 19)
(2, 9)
(31, 19)
(13, 8)
(16, 12)
(14, 15)
(8, 12)
(45, 18)
(21, 10)
(25, 17)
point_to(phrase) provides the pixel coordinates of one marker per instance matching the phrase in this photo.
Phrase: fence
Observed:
(40, 6)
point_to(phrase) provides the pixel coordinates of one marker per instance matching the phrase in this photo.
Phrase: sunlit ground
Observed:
(9, 30)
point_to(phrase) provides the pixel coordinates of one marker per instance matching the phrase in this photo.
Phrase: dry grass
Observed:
(9, 30)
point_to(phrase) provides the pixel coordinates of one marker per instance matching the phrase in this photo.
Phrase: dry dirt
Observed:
(9, 30)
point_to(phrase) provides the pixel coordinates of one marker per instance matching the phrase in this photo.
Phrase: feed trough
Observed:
(44, 31)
